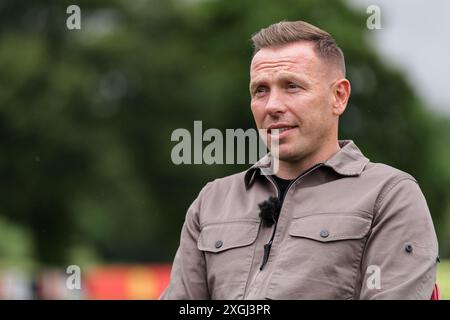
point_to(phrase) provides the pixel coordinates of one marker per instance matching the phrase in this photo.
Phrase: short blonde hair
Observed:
(285, 32)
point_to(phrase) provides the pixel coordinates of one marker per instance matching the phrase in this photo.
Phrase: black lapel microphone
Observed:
(270, 210)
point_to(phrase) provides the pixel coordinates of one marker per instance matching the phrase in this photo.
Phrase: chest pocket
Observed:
(228, 251)
(323, 251)
(331, 227)
(219, 237)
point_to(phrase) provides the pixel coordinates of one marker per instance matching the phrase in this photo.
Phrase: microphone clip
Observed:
(270, 210)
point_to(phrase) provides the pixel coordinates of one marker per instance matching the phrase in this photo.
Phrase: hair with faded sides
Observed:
(285, 32)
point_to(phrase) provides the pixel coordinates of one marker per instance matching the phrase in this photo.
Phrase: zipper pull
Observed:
(267, 247)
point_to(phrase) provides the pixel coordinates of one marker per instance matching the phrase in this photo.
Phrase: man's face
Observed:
(291, 89)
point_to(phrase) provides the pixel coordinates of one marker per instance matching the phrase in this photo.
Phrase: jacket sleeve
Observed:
(188, 275)
(402, 247)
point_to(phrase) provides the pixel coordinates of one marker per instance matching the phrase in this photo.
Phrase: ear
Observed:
(341, 92)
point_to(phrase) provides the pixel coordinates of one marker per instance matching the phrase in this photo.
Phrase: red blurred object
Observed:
(436, 295)
(127, 282)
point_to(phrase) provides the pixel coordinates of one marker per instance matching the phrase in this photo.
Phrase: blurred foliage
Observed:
(86, 115)
(16, 246)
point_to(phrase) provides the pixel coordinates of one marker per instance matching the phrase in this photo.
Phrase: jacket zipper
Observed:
(268, 245)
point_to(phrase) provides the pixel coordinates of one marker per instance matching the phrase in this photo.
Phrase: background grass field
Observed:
(443, 279)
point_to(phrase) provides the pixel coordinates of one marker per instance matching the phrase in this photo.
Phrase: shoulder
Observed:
(221, 197)
(223, 184)
(396, 186)
(386, 171)
(220, 190)
(386, 176)
(390, 182)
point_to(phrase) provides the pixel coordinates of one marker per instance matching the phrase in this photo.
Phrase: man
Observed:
(340, 227)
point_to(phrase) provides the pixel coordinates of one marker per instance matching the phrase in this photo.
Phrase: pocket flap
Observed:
(330, 227)
(217, 237)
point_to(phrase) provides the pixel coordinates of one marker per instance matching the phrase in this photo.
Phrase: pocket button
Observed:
(324, 233)
(218, 244)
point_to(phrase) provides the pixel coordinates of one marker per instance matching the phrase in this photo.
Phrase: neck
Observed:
(292, 169)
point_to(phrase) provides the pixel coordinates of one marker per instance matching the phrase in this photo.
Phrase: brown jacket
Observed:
(348, 229)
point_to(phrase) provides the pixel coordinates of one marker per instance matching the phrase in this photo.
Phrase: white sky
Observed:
(415, 36)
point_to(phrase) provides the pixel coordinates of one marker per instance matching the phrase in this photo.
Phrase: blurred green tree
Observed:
(86, 115)
(16, 247)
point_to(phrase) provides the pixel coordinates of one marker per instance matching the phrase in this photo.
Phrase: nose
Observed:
(275, 104)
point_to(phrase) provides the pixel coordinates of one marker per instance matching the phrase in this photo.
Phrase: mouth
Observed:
(279, 131)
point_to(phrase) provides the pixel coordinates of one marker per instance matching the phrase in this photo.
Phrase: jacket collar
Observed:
(348, 161)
